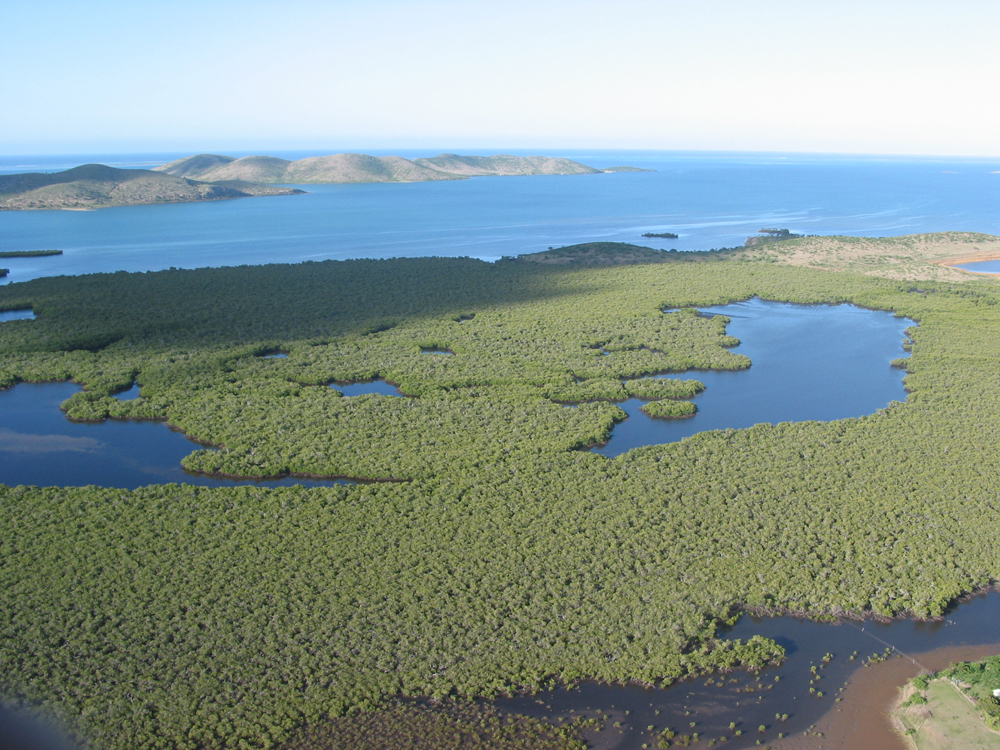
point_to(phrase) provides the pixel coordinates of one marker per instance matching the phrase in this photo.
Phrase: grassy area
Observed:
(947, 721)
(916, 257)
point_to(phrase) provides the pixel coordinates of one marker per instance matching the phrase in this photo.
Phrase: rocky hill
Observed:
(342, 168)
(100, 186)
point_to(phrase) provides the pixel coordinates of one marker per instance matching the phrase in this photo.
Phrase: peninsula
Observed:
(99, 186)
(345, 168)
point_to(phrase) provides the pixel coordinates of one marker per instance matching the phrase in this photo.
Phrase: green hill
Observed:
(100, 186)
(341, 168)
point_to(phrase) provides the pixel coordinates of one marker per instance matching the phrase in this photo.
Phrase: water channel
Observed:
(809, 362)
(708, 705)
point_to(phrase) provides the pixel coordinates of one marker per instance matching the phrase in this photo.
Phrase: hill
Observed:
(100, 186)
(345, 168)
(360, 168)
(222, 168)
(193, 166)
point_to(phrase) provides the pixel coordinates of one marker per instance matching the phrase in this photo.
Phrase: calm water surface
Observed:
(16, 315)
(710, 200)
(983, 266)
(39, 446)
(372, 386)
(809, 362)
(818, 362)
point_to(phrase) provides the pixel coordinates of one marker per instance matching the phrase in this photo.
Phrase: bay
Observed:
(709, 199)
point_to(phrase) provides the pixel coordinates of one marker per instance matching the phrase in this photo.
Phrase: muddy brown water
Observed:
(970, 630)
(861, 719)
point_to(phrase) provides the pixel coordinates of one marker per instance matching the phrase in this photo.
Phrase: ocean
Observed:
(709, 199)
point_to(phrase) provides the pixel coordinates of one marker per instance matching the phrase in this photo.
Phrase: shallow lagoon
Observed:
(39, 446)
(982, 266)
(809, 362)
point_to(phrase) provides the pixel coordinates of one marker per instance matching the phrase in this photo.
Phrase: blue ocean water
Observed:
(709, 199)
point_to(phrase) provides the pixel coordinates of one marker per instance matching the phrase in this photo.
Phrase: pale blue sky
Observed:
(864, 77)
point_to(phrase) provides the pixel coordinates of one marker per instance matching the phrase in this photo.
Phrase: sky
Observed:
(878, 76)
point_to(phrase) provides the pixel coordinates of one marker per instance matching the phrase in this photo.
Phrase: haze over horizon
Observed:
(767, 75)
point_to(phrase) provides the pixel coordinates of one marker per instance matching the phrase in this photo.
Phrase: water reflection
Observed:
(17, 315)
(39, 446)
(129, 395)
(369, 386)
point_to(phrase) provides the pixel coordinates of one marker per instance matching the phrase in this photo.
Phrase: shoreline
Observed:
(864, 715)
(979, 258)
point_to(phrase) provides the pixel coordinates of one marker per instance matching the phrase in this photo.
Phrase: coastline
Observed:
(978, 258)
(863, 717)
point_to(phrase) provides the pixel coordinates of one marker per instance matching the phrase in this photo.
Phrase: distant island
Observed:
(28, 253)
(348, 168)
(665, 235)
(771, 235)
(210, 177)
(99, 186)
(627, 169)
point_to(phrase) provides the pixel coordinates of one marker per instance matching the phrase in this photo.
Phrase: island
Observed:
(348, 168)
(99, 186)
(764, 236)
(29, 253)
(665, 235)
(627, 169)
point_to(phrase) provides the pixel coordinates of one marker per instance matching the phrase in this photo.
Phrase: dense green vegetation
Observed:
(619, 254)
(28, 253)
(178, 616)
(456, 726)
(670, 409)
